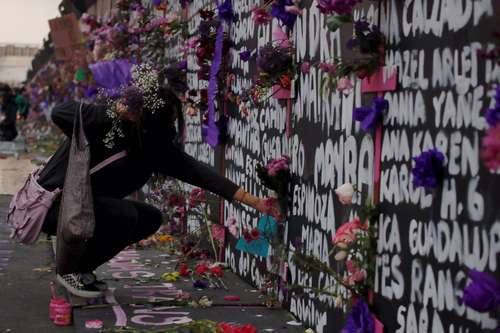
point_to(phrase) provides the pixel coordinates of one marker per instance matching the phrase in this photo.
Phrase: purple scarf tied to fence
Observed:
(111, 74)
(210, 131)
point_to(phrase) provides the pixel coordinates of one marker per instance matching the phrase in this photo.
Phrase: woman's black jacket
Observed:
(123, 177)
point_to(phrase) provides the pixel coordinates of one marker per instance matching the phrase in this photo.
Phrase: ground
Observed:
(137, 297)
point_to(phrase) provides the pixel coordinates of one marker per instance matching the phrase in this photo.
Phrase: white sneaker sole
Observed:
(78, 292)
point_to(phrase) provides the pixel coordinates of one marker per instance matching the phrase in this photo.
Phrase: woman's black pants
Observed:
(118, 223)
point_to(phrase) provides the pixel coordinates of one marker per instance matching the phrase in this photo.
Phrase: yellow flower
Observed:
(170, 277)
(165, 238)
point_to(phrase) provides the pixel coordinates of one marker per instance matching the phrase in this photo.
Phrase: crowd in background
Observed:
(13, 105)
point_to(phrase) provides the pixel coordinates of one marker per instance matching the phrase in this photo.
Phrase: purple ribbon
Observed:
(212, 132)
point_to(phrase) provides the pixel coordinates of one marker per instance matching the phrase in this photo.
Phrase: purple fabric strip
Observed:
(111, 74)
(212, 132)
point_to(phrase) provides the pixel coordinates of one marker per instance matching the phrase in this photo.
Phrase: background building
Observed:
(15, 61)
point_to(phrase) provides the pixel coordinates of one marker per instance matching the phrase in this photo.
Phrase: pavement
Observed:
(137, 298)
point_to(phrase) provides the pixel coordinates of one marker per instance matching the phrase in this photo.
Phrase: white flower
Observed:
(344, 193)
(338, 302)
(341, 255)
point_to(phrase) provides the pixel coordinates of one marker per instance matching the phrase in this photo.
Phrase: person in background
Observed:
(8, 130)
(22, 103)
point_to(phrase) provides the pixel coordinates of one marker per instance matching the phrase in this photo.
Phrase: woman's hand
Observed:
(268, 206)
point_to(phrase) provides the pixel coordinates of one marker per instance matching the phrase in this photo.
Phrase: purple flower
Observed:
(274, 59)
(352, 43)
(181, 65)
(369, 117)
(200, 284)
(493, 115)
(429, 168)
(155, 2)
(225, 10)
(483, 293)
(360, 319)
(361, 25)
(245, 55)
(279, 11)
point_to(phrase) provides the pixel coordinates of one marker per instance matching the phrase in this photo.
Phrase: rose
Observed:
(344, 85)
(285, 81)
(255, 234)
(201, 268)
(217, 271)
(261, 16)
(196, 196)
(184, 270)
(344, 193)
(277, 165)
(347, 232)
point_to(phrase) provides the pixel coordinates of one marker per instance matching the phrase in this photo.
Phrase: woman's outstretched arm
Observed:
(178, 164)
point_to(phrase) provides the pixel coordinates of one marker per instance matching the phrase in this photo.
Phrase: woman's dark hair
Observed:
(157, 127)
(173, 109)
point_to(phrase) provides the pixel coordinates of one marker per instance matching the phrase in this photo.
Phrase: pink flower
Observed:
(192, 42)
(490, 151)
(351, 266)
(261, 16)
(359, 275)
(344, 85)
(347, 232)
(328, 68)
(306, 67)
(277, 165)
(232, 225)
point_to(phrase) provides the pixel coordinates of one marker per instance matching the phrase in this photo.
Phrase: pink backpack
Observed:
(29, 206)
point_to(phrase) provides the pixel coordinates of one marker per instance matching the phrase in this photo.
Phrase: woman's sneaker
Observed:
(91, 279)
(74, 284)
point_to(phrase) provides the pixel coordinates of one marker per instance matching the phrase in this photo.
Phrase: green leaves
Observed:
(335, 22)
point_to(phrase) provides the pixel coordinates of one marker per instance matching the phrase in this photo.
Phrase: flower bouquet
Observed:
(368, 44)
(276, 176)
(203, 275)
(276, 68)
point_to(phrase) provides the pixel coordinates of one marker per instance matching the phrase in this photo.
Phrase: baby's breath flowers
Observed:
(131, 100)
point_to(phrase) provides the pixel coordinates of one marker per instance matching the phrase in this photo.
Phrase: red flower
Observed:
(201, 268)
(217, 271)
(184, 270)
(261, 16)
(246, 236)
(248, 329)
(362, 73)
(197, 196)
(175, 200)
(285, 81)
(225, 328)
(255, 234)
(228, 328)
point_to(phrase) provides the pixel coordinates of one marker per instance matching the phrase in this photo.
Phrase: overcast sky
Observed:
(25, 21)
